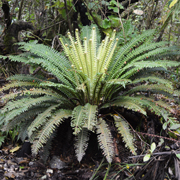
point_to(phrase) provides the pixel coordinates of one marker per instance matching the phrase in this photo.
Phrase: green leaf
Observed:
(174, 126)
(146, 157)
(153, 147)
(114, 21)
(115, 9)
(2, 138)
(178, 156)
(106, 23)
(173, 3)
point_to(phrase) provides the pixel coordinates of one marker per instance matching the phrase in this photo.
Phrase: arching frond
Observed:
(41, 119)
(48, 129)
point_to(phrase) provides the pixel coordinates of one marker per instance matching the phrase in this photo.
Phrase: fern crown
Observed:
(86, 57)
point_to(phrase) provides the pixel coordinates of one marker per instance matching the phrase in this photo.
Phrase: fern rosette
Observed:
(91, 76)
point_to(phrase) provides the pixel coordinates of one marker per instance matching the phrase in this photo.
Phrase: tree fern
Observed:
(88, 77)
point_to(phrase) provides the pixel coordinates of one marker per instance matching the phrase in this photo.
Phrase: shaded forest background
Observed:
(45, 20)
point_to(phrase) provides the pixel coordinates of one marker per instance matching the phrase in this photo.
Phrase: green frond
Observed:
(163, 105)
(47, 53)
(154, 79)
(124, 130)
(81, 143)
(26, 78)
(81, 51)
(78, 119)
(48, 129)
(15, 108)
(137, 66)
(105, 140)
(126, 102)
(46, 91)
(90, 116)
(61, 87)
(18, 84)
(126, 48)
(95, 85)
(158, 107)
(150, 54)
(155, 88)
(122, 82)
(48, 59)
(143, 50)
(33, 91)
(40, 119)
(25, 101)
(25, 116)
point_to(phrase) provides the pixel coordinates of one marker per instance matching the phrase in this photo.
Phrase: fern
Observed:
(88, 77)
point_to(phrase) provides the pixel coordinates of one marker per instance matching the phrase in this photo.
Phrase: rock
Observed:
(56, 163)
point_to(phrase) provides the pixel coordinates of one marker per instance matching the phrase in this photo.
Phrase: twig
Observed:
(157, 154)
